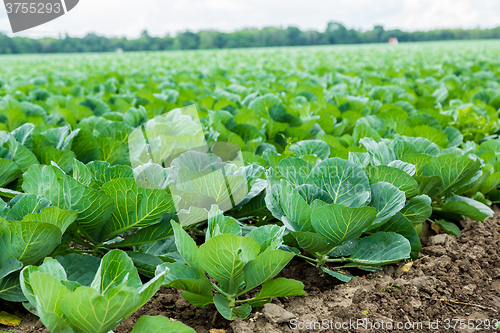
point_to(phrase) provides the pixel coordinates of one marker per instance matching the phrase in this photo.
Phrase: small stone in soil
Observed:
(277, 314)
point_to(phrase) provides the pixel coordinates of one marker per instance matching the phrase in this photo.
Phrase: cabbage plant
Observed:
(74, 303)
(329, 206)
(232, 265)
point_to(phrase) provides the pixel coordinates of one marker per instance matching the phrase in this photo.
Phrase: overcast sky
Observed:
(130, 17)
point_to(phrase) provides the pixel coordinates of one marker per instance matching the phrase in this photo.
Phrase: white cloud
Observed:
(130, 17)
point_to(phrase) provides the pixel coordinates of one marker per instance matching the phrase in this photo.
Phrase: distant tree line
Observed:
(335, 33)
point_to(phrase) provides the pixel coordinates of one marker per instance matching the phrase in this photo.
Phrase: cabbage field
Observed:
(211, 171)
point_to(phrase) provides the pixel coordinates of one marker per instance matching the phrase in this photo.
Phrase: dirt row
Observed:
(453, 286)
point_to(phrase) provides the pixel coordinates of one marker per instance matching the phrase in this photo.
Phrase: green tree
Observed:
(187, 41)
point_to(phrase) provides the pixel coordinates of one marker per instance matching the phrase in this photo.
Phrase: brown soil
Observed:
(454, 278)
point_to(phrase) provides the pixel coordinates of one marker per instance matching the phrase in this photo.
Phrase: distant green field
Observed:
(334, 154)
(357, 57)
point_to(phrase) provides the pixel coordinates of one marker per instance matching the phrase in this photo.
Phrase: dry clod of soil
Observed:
(276, 314)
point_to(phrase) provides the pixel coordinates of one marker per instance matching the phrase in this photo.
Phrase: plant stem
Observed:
(221, 291)
(232, 302)
(337, 260)
(250, 299)
(307, 258)
(96, 249)
(322, 261)
(86, 235)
